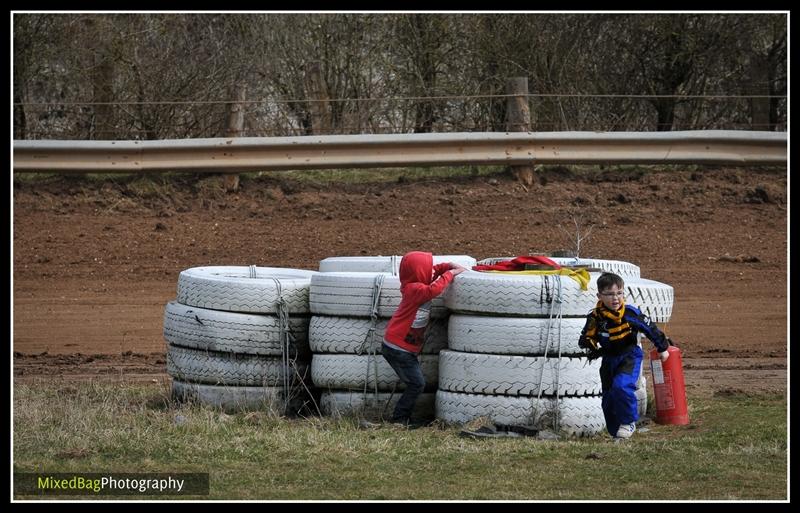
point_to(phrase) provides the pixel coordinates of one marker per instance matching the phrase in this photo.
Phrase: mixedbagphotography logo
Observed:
(43, 483)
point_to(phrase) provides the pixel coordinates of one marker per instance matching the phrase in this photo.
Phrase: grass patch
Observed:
(327, 177)
(735, 448)
(318, 176)
(382, 175)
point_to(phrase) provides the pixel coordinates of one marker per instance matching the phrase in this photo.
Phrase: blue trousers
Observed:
(409, 370)
(618, 375)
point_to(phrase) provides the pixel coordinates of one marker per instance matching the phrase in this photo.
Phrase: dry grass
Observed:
(735, 448)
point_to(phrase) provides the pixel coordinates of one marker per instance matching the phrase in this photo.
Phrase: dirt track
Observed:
(95, 263)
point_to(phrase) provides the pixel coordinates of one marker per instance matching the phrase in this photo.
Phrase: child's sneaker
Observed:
(626, 430)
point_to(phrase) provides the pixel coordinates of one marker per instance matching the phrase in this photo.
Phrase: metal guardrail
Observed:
(350, 151)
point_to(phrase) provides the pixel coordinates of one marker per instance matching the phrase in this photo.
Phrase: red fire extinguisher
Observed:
(669, 388)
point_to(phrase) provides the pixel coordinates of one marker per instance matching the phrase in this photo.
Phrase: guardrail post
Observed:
(518, 119)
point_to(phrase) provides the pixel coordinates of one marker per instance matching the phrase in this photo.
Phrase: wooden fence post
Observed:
(235, 127)
(518, 119)
(102, 80)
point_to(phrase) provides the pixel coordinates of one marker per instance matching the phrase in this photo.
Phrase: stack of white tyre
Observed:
(653, 298)
(513, 353)
(351, 301)
(238, 338)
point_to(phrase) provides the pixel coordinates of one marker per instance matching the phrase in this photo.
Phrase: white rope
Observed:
(555, 304)
(556, 418)
(288, 349)
(368, 345)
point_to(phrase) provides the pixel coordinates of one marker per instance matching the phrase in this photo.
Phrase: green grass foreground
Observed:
(734, 449)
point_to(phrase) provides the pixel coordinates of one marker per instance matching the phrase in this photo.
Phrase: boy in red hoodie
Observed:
(420, 282)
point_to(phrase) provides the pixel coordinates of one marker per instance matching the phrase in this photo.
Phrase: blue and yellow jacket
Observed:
(614, 333)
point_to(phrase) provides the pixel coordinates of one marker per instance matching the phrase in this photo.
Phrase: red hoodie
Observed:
(420, 281)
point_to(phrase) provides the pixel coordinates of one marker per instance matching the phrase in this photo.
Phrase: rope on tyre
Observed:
(368, 344)
(388, 401)
(284, 338)
(288, 349)
(556, 417)
(555, 312)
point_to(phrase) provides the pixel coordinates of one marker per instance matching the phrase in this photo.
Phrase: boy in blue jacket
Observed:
(611, 333)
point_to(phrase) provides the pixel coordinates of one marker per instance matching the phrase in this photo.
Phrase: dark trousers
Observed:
(619, 375)
(409, 370)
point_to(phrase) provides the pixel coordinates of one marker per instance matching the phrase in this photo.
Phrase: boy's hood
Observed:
(416, 267)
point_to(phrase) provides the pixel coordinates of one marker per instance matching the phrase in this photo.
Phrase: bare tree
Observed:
(155, 76)
(579, 231)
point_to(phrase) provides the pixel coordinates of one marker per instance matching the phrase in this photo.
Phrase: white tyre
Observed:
(360, 264)
(245, 289)
(653, 298)
(216, 330)
(355, 372)
(622, 268)
(215, 368)
(515, 335)
(641, 391)
(348, 334)
(518, 375)
(641, 402)
(578, 416)
(464, 260)
(520, 294)
(642, 381)
(235, 399)
(382, 264)
(350, 294)
(373, 407)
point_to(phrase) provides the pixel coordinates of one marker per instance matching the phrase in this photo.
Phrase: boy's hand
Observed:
(592, 349)
(664, 355)
(588, 343)
(457, 269)
(593, 354)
